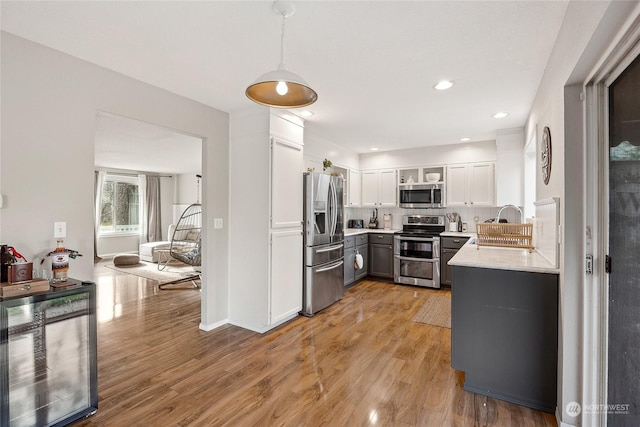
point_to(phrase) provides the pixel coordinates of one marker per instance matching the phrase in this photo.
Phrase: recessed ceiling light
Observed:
(306, 113)
(465, 139)
(500, 115)
(374, 149)
(442, 85)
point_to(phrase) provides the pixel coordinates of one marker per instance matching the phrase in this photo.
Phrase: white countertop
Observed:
(470, 255)
(355, 231)
(458, 234)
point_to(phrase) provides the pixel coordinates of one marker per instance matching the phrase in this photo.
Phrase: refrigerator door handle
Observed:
(335, 209)
(329, 249)
(331, 208)
(330, 267)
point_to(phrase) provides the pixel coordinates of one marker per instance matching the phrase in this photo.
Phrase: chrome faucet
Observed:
(497, 220)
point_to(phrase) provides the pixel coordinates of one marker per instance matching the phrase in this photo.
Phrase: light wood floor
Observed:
(360, 362)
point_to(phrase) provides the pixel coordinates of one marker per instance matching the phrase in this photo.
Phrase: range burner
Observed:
(422, 225)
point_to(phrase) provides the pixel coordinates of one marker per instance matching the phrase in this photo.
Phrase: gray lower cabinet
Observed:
(349, 259)
(381, 255)
(504, 334)
(354, 245)
(449, 246)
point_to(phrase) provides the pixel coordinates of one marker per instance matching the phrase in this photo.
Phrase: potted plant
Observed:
(326, 164)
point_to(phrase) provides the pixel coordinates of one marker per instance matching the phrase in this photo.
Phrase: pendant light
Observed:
(282, 88)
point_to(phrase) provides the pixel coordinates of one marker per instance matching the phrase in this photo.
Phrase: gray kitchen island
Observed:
(504, 325)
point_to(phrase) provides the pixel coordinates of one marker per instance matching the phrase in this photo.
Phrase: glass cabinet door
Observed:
(48, 371)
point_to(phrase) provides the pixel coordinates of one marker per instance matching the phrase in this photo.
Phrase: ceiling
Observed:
(123, 143)
(373, 63)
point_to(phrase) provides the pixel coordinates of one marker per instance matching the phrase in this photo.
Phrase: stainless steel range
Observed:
(417, 250)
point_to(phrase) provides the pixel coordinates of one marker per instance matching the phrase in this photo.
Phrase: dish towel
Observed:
(359, 262)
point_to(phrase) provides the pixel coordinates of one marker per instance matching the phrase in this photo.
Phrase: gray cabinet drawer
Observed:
(452, 242)
(349, 242)
(379, 238)
(362, 239)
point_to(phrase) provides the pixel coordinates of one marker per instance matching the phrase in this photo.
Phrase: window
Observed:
(119, 206)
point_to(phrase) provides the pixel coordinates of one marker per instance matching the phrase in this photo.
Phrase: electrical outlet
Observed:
(60, 230)
(217, 222)
(476, 219)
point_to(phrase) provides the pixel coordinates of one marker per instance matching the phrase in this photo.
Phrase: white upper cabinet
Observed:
(286, 183)
(457, 185)
(379, 188)
(355, 189)
(471, 185)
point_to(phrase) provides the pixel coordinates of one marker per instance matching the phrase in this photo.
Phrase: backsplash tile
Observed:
(466, 213)
(545, 229)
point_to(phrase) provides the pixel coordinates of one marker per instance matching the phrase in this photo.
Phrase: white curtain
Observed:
(98, 182)
(152, 206)
(150, 221)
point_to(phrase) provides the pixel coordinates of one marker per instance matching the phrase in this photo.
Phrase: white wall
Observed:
(166, 201)
(469, 152)
(187, 188)
(510, 167)
(587, 27)
(49, 105)
(316, 149)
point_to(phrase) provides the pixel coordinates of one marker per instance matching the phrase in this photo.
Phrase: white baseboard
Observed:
(213, 326)
(559, 420)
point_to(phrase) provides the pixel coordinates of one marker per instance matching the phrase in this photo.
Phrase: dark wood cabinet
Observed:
(381, 255)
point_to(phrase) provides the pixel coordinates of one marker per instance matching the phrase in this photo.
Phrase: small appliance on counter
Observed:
(373, 222)
(387, 221)
(355, 223)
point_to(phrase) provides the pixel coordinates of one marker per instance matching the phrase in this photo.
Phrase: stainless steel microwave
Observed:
(421, 196)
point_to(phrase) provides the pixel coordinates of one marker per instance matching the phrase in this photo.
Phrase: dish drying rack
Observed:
(505, 235)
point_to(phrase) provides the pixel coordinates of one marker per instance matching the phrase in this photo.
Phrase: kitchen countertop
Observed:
(458, 234)
(355, 231)
(502, 259)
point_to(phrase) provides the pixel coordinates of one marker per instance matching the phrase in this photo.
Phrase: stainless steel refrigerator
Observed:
(323, 282)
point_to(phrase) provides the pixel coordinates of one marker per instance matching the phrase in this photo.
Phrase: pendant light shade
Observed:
(281, 88)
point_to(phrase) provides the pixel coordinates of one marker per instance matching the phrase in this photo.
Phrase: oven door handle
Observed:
(415, 239)
(406, 258)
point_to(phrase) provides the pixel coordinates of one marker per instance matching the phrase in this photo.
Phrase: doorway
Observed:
(126, 148)
(623, 355)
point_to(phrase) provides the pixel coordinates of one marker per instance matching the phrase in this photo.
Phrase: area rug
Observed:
(171, 273)
(436, 310)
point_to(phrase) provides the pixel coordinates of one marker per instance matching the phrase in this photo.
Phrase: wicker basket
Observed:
(505, 235)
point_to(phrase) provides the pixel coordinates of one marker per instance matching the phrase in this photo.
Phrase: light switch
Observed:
(60, 230)
(217, 222)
